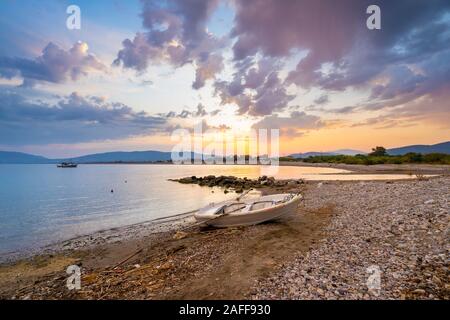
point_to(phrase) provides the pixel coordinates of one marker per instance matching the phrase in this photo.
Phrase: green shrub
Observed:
(432, 158)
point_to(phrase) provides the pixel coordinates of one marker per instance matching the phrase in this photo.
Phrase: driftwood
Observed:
(128, 258)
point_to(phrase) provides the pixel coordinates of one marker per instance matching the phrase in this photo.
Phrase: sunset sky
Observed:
(137, 70)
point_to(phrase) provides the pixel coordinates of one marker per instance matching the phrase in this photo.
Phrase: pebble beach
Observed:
(401, 228)
(342, 233)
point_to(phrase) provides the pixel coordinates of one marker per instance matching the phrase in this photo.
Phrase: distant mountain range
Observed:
(153, 156)
(134, 156)
(21, 158)
(122, 156)
(443, 147)
(348, 152)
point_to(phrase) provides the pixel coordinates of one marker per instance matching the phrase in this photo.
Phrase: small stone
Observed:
(179, 235)
(437, 280)
(166, 266)
(419, 291)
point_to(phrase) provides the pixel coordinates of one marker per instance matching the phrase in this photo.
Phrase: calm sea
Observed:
(43, 204)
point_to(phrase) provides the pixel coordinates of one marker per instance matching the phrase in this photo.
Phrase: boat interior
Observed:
(242, 207)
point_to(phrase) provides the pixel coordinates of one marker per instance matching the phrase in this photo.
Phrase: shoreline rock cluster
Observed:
(238, 184)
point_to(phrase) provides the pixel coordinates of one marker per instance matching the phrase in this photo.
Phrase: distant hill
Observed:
(310, 154)
(153, 156)
(7, 157)
(348, 152)
(443, 147)
(21, 158)
(134, 156)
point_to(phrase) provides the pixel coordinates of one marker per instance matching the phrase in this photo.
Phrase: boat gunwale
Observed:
(296, 197)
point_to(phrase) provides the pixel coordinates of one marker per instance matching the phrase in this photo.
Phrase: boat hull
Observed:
(250, 218)
(67, 165)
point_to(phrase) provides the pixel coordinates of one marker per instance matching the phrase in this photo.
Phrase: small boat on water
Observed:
(67, 165)
(234, 213)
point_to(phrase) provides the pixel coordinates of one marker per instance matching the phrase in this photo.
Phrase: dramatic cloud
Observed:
(338, 51)
(403, 84)
(256, 88)
(72, 119)
(336, 34)
(207, 68)
(406, 59)
(276, 27)
(272, 56)
(54, 65)
(184, 114)
(432, 109)
(294, 126)
(340, 110)
(323, 99)
(206, 126)
(175, 34)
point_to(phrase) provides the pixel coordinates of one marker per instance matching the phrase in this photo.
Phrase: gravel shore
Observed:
(340, 237)
(399, 228)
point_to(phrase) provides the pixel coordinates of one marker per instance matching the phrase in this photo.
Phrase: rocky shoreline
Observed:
(323, 251)
(239, 184)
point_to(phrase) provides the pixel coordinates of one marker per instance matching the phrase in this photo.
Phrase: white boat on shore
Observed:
(234, 213)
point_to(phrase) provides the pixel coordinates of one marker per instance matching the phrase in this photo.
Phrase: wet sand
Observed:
(160, 262)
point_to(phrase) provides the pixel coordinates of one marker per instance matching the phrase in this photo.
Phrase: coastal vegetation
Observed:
(377, 156)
